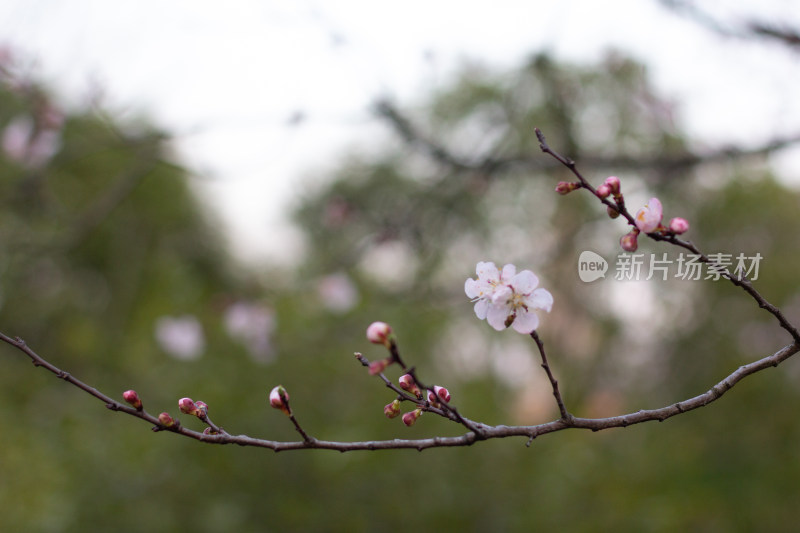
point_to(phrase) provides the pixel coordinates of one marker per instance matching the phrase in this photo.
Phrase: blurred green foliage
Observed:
(105, 238)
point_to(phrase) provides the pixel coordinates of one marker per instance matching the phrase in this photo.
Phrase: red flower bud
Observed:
(678, 225)
(603, 191)
(166, 420)
(566, 187)
(629, 242)
(613, 183)
(411, 417)
(132, 398)
(434, 401)
(391, 410)
(379, 333)
(376, 367)
(279, 399)
(408, 384)
(202, 409)
(187, 406)
(442, 393)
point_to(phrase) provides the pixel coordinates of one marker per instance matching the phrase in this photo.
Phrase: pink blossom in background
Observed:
(29, 147)
(252, 325)
(337, 292)
(180, 337)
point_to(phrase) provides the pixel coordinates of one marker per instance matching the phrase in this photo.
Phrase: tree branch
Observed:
(486, 432)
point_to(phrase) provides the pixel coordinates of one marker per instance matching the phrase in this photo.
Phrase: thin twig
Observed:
(565, 415)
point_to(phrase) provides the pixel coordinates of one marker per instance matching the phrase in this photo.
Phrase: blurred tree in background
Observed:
(114, 271)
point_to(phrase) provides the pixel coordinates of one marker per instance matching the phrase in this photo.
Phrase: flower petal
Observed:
(508, 272)
(525, 322)
(502, 295)
(471, 288)
(497, 316)
(487, 271)
(656, 208)
(481, 307)
(540, 299)
(649, 217)
(524, 282)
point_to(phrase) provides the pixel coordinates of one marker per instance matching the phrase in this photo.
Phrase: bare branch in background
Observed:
(751, 29)
(417, 139)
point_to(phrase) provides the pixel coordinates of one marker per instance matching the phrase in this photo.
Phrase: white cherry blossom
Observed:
(507, 298)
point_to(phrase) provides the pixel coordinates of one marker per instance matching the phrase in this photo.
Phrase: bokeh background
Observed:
(205, 203)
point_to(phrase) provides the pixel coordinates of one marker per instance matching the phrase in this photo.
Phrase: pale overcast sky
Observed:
(226, 80)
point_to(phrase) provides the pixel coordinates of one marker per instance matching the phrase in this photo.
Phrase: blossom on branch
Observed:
(648, 218)
(507, 298)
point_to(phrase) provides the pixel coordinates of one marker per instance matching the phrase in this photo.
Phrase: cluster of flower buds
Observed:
(438, 394)
(380, 333)
(649, 220)
(190, 407)
(132, 398)
(279, 399)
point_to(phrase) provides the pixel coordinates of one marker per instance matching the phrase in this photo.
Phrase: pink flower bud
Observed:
(279, 399)
(379, 332)
(166, 420)
(433, 399)
(209, 431)
(411, 417)
(442, 393)
(187, 406)
(408, 384)
(202, 409)
(603, 191)
(376, 367)
(678, 225)
(132, 398)
(613, 183)
(629, 242)
(566, 187)
(612, 212)
(391, 410)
